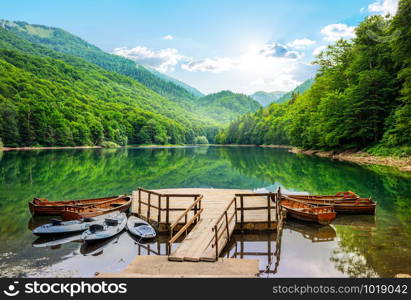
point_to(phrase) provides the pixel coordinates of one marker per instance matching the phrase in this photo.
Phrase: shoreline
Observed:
(401, 163)
(48, 148)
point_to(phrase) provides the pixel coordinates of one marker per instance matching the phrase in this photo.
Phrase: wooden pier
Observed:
(202, 222)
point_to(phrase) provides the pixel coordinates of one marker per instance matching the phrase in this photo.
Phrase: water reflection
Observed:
(363, 246)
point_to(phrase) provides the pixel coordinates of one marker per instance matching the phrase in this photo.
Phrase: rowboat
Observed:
(348, 206)
(43, 206)
(300, 210)
(340, 196)
(140, 228)
(109, 228)
(64, 227)
(120, 204)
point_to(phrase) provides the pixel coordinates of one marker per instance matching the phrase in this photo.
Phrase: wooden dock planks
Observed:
(198, 244)
(161, 267)
(194, 254)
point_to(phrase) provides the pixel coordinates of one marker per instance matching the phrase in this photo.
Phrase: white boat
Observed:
(140, 228)
(110, 226)
(65, 227)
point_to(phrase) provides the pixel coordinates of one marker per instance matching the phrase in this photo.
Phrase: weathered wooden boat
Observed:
(348, 206)
(65, 227)
(42, 206)
(120, 204)
(300, 210)
(140, 228)
(107, 229)
(340, 196)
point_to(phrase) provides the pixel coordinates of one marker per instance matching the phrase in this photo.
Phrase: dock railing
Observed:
(197, 210)
(223, 224)
(158, 202)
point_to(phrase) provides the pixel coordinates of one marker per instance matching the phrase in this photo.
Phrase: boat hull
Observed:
(143, 231)
(42, 206)
(117, 205)
(108, 232)
(300, 210)
(323, 219)
(357, 206)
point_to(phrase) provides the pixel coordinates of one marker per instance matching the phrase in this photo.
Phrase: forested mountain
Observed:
(265, 98)
(226, 106)
(360, 99)
(63, 41)
(165, 77)
(51, 98)
(295, 92)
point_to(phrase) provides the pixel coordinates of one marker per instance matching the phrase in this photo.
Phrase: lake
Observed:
(353, 246)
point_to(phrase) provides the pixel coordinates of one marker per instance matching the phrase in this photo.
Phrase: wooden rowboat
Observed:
(359, 206)
(120, 204)
(340, 196)
(300, 210)
(42, 206)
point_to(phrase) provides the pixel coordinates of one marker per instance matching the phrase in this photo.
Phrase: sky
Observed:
(243, 46)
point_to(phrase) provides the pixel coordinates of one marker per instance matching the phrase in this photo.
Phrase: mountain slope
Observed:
(50, 98)
(265, 98)
(297, 91)
(165, 77)
(225, 106)
(65, 42)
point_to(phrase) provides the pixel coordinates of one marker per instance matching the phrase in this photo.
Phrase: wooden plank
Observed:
(159, 266)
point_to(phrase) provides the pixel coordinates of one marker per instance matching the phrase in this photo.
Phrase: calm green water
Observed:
(352, 246)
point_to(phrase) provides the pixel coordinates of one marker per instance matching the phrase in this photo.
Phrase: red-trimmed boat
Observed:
(300, 210)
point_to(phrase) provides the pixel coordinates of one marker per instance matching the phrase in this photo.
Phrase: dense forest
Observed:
(62, 41)
(58, 90)
(225, 106)
(53, 99)
(360, 98)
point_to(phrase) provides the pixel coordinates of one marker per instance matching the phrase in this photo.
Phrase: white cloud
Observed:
(262, 56)
(301, 43)
(384, 7)
(334, 32)
(272, 66)
(318, 50)
(163, 60)
(280, 51)
(168, 37)
(211, 65)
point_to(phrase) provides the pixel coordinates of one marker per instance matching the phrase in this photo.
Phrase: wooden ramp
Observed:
(161, 267)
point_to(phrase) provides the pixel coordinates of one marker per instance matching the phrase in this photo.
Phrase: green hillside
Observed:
(50, 98)
(295, 92)
(225, 106)
(360, 99)
(265, 98)
(165, 77)
(65, 42)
